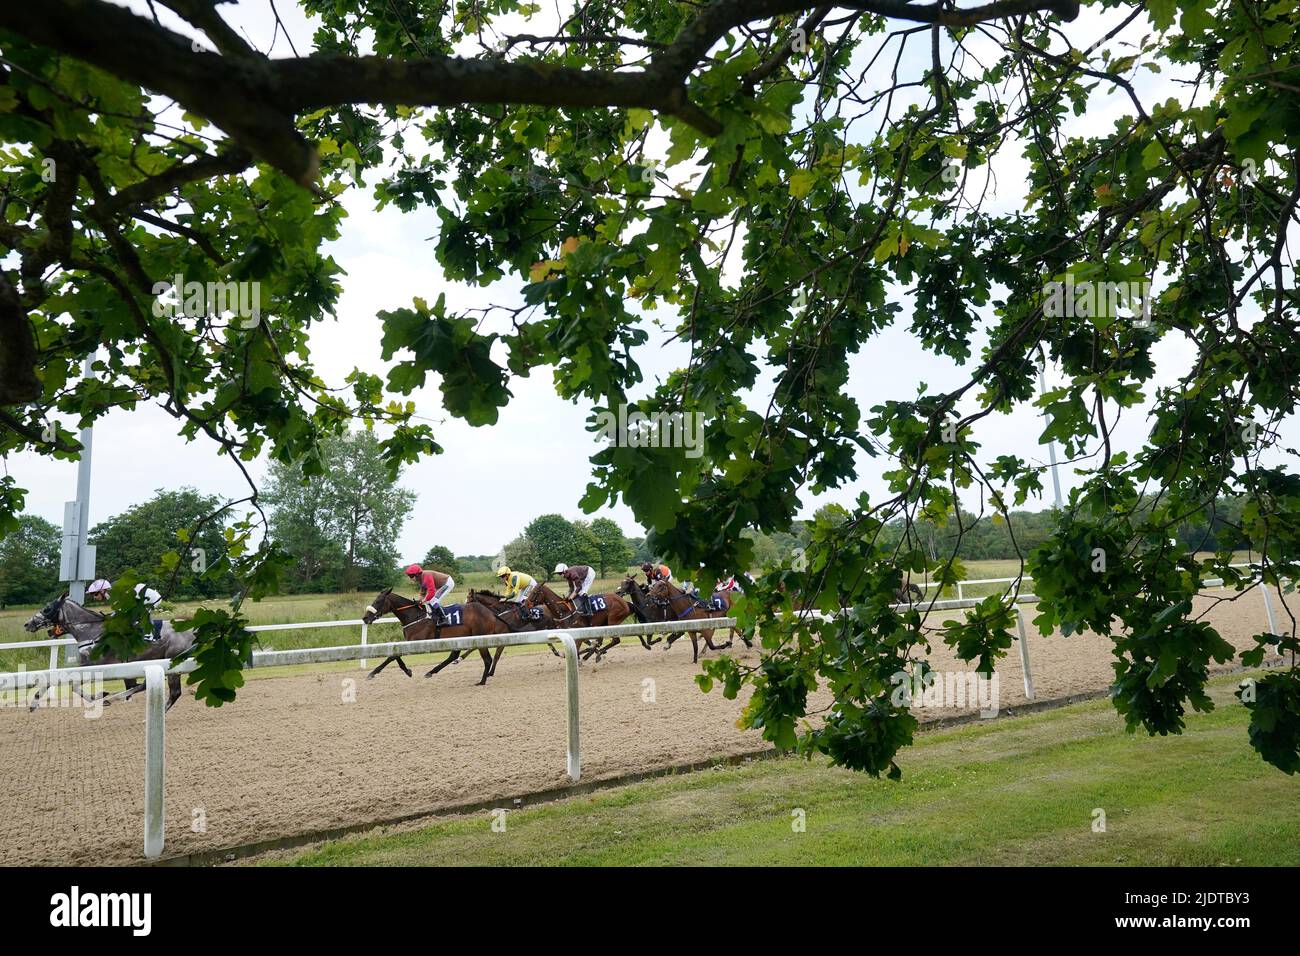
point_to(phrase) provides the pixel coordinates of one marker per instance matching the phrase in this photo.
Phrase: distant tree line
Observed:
(341, 525)
(551, 539)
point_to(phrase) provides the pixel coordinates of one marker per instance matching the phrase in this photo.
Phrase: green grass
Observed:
(1017, 791)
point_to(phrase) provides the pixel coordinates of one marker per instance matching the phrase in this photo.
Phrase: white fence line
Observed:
(53, 644)
(154, 674)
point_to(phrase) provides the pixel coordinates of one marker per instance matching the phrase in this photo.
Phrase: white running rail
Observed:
(154, 674)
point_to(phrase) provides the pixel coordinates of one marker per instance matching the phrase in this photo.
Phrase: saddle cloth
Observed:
(453, 616)
(717, 603)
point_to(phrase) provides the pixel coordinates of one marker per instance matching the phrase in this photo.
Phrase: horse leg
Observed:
(496, 657)
(602, 648)
(133, 687)
(487, 665)
(453, 656)
(402, 664)
(695, 647)
(36, 699)
(174, 686)
(387, 661)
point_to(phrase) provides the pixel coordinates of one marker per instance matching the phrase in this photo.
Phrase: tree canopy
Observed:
(140, 537)
(340, 526)
(29, 562)
(776, 182)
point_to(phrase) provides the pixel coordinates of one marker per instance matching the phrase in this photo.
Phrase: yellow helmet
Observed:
(504, 572)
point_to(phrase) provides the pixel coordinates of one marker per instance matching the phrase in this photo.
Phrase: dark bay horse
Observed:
(566, 615)
(476, 619)
(67, 616)
(676, 605)
(908, 593)
(643, 609)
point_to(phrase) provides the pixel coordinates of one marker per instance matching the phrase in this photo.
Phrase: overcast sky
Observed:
(490, 482)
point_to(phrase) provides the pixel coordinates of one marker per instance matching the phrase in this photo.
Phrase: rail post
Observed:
(365, 629)
(54, 657)
(1024, 654)
(1268, 606)
(571, 699)
(155, 730)
(959, 597)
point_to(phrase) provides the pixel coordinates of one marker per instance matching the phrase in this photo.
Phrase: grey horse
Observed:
(87, 627)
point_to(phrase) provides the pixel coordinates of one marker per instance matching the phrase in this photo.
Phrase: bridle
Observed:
(60, 628)
(541, 593)
(393, 610)
(667, 603)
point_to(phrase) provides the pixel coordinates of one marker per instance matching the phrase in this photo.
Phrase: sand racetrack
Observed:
(294, 756)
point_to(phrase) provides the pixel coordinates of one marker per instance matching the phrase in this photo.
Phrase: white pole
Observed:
(1268, 607)
(54, 656)
(1024, 655)
(155, 686)
(959, 597)
(364, 631)
(571, 680)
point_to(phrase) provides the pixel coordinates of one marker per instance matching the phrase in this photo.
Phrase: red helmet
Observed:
(414, 569)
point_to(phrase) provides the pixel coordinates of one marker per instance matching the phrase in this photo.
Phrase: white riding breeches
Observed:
(442, 592)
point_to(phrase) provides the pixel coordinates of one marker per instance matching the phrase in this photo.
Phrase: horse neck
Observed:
(90, 627)
(85, 615)
(407, 613)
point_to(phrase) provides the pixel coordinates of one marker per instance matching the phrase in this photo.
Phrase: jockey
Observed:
(580, 577)
(151, 597)
(433, 585)
(727, 584)
(98, 590)
(518, 585)
(656, 572)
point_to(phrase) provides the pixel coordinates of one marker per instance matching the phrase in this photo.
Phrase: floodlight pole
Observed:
(77, 564)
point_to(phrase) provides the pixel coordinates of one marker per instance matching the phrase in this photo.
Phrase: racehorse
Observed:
(642, 607)
(475, 619)
(87, 627)
(909, 593)
(605, 609)
(676, 605)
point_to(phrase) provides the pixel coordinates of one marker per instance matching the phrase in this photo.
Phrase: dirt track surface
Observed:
(293, 756)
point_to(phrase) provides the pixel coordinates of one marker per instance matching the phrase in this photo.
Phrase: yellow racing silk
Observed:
(517, 582)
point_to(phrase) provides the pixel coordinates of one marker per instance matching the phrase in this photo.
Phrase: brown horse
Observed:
(676, 605)
(566, 615)
(643, 609)
(909, 593)
(417, 626)
(515, 615)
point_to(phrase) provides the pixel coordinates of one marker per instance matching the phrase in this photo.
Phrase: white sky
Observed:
(490, 482)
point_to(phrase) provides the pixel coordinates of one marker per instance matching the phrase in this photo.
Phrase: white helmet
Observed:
(561, 568)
